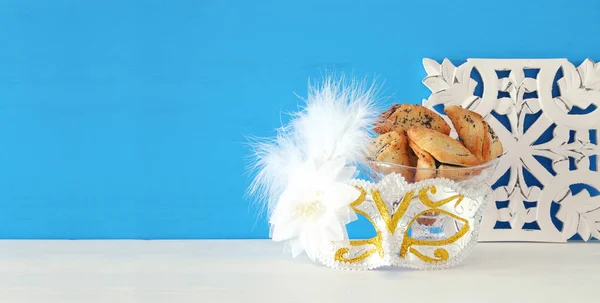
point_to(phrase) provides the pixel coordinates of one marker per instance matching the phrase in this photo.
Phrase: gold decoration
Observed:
(401, 209)
(376, 241)
(425, 198)
(440, 253)
(361, 198)
(390, 221)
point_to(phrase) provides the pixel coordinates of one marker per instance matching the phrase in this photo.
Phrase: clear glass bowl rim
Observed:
(482, 166)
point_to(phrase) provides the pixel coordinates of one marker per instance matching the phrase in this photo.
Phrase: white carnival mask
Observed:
(425, 225)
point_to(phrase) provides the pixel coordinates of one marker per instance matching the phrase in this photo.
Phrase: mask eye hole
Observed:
(437, 231)
(361, 228)
(429, 226)
(433, 225)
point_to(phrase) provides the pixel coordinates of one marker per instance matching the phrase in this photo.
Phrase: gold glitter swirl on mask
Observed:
(361, 198)
(391, 222)
(408, 242)
(402, 208)
(382, 208)
(440, 253)
(425, 198)
(376, 241)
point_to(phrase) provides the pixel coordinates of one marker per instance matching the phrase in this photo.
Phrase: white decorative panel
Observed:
(546, 113)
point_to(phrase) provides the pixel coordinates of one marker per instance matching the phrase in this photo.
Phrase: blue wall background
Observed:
(125, 119)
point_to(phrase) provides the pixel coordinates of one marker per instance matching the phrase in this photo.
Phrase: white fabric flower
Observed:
(315, 207)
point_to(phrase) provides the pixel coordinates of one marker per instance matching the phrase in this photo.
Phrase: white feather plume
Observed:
(336, 121)
(273, 161)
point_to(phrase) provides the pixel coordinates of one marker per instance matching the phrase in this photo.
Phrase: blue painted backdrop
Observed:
(125, 119)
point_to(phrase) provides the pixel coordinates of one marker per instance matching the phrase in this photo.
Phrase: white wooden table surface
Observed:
(255, 271)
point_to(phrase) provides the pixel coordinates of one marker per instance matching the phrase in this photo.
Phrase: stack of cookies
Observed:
(415, 142)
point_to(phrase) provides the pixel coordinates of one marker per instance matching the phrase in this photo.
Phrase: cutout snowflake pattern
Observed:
(548, 125)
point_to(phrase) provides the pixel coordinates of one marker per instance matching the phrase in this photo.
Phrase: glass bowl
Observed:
(376, 170)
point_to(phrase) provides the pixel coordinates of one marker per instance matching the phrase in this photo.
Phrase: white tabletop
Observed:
(255, 271)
